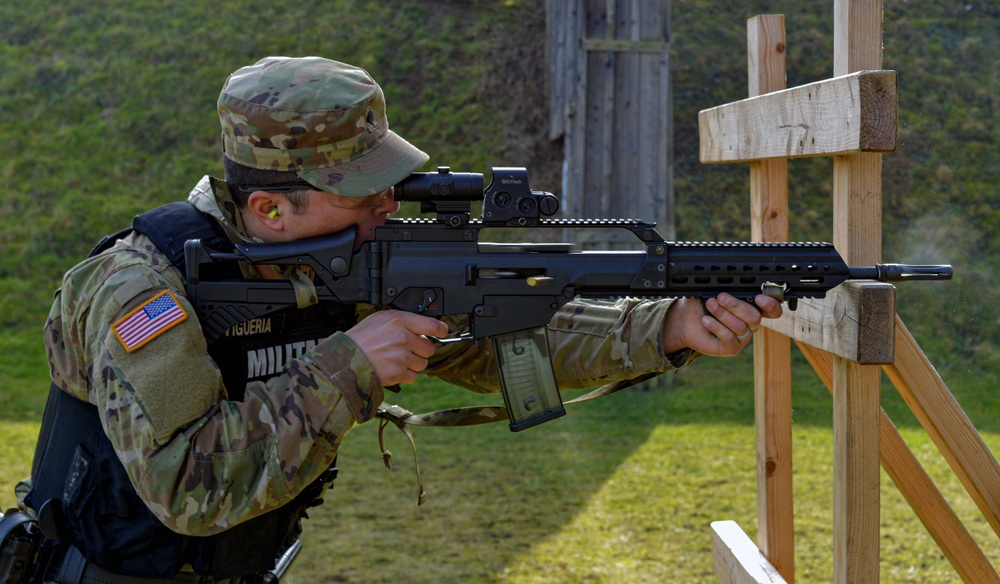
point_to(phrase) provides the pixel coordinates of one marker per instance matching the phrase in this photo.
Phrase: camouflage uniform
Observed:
(165, 408)
(203, 463)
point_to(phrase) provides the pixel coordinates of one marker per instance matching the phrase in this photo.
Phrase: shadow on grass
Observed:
(493, 495)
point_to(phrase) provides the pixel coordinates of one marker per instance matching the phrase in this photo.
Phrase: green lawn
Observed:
(622, 489)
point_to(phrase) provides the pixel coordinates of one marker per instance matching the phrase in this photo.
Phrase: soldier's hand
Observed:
(396, 343)
(724, 331)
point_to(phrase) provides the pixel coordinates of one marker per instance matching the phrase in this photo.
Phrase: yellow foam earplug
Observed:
(273, 213)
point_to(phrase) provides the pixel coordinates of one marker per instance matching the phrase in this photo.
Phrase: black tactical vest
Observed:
(80, 488)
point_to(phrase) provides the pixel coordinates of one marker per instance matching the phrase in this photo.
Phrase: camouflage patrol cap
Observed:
(323, 119)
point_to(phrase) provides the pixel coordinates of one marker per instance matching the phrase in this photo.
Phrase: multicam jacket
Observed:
(167, 412)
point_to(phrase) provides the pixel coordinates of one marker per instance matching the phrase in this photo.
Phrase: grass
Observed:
(621, 489)
(23, 373)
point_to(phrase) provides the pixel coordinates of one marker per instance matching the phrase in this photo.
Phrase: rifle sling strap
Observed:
(466, 416)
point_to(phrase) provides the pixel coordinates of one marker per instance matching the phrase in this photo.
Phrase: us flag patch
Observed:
(158, 315)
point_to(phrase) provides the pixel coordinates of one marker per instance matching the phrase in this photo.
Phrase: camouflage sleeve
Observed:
(200, 462)
(591, 343)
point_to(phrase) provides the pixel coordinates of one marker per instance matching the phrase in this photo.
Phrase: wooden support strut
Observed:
(912, 480)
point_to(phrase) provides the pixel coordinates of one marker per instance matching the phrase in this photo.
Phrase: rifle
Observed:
(510, 291)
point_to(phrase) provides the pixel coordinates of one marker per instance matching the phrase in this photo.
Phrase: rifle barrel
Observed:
(902, 272)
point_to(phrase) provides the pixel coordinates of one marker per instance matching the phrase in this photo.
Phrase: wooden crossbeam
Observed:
(855, 321)
(847, 114)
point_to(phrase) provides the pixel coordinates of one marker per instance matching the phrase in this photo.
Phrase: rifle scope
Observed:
(441, 186)
(508, 200)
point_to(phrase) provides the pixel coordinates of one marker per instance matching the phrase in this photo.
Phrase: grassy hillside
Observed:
(107, 108)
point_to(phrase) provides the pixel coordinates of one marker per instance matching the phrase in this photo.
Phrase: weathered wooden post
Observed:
(611, 103)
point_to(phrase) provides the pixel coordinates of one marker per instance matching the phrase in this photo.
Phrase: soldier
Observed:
(163, 457)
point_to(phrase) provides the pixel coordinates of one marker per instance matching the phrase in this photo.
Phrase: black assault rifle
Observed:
(510, 291)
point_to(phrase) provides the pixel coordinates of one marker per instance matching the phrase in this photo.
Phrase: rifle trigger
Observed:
(429, 297)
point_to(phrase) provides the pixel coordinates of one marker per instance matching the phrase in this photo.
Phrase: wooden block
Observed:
(848, 114)
(736, 560)
(855, 321)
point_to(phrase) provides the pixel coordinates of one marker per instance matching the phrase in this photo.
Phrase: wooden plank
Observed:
(576, 128)
(653, 167)
(918, 489)
(855, 321)
(773, 413)
(736, 560)
(772, 351)
(664, 195)
(947, 425)
(766, 54)
(857, 208)
(592, 151)
(629, 144)
(652, 196)
(557, 49)
(847, 114)
(931, 507)
(857, 204)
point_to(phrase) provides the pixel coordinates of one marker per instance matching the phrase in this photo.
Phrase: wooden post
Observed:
(611, 101)
(772, 350)
(857, 211)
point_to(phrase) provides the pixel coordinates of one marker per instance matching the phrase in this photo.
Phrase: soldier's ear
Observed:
(267, 209)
